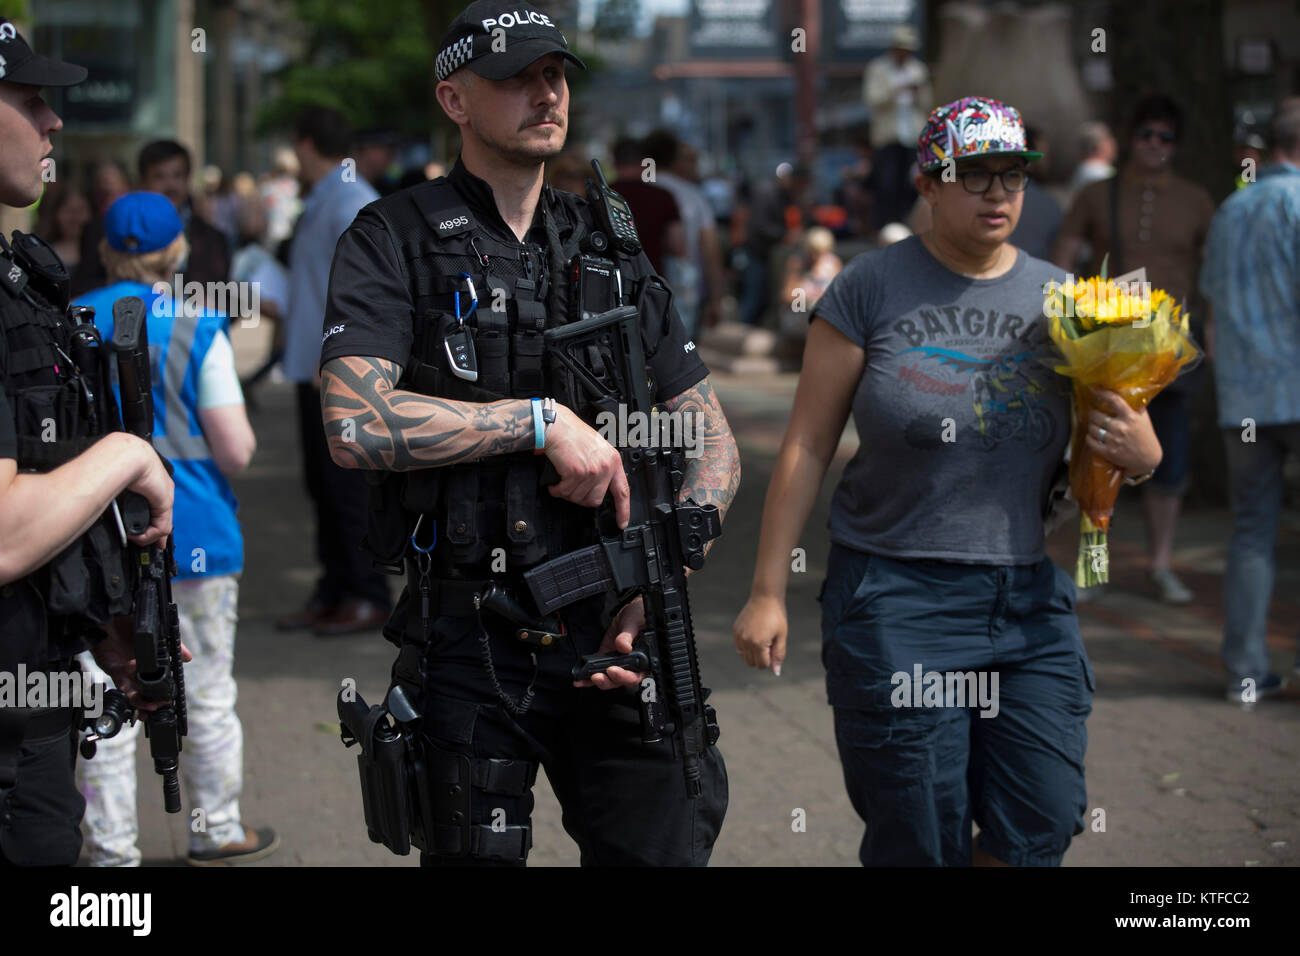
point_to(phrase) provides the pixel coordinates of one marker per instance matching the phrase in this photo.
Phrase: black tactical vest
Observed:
(499, 502)
(61, 608)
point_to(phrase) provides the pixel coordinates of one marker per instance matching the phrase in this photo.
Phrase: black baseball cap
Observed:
(528, 35)
(18, 64)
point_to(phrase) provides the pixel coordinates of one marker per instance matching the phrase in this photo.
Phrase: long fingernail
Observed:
(776, 669)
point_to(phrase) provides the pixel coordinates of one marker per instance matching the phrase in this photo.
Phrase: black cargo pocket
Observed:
(70, 581)
(522, 514)
(449, 721)
(46, 412)
(653, 300)
(462, 531)
(107, 550)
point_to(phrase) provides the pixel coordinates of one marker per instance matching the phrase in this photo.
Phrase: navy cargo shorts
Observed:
(960, 694)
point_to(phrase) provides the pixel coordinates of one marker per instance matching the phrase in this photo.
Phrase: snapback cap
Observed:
(969, 127)
(19, 64)
(527, 35)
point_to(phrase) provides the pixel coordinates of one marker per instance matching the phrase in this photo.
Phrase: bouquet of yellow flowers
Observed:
(1121, 335)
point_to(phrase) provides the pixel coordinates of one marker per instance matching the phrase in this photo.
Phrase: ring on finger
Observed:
(1101, 435)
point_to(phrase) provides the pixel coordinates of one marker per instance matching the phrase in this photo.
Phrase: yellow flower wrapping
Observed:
(1136, 361)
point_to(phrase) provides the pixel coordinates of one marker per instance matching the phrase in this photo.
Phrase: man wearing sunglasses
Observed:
(1148, 216)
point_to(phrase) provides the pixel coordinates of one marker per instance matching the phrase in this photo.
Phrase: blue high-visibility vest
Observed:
(206, 531)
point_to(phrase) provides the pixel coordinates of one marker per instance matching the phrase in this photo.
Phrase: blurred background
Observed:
(744, 86)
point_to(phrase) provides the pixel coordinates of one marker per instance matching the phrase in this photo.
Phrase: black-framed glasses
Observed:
(980, 180)
(1146, 132)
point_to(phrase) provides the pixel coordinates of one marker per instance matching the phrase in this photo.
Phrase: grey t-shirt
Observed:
(962, 422)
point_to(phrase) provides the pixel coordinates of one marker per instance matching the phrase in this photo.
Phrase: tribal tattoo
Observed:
(372, 424)
(713, 477)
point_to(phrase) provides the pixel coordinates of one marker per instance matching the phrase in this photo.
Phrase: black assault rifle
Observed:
(650, 556)
(159, 669)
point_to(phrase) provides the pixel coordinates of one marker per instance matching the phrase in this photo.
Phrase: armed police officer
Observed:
(62, 575)
(434, 381)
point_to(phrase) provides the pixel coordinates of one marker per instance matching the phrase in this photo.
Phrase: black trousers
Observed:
(40, 815)
(624, 802)
(339, 496)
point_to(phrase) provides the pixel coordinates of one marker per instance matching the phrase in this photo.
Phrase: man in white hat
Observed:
(896, 88)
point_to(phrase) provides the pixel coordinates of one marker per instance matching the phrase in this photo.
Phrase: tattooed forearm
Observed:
(714, 475)
(371, 424)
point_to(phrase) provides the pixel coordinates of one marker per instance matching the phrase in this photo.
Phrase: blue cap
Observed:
(142, 222)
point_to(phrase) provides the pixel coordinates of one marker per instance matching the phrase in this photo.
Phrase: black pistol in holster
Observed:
(395, 795)
(156, 624)
(650, 556)
(413, 793)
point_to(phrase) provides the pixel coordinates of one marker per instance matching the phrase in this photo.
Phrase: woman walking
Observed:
(954, 664)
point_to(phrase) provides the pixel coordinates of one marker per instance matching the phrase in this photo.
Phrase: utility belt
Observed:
(429, 597)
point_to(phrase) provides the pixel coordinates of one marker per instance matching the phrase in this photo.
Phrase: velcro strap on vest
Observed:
(511, 778)
(30, 359)
(507, 844)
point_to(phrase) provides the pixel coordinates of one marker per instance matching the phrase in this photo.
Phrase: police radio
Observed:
(614, 212)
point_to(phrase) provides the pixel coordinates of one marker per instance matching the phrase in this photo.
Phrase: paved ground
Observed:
(1182, 776)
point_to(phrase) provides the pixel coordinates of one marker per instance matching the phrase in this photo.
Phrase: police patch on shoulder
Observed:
(453, 221)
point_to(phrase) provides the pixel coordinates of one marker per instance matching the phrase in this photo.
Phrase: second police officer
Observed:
(62, 567)
(459, 456)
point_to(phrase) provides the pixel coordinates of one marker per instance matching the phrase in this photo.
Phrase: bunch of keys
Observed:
(459, 343)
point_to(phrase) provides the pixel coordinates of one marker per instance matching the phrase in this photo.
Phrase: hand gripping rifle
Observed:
(650, 556)
(159, 669)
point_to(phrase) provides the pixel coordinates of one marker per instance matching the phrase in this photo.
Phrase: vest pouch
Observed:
(492, 343)
(524, 517)
(69, 581)
(528, 374)
(653, 299)
(463, 531)
(387, 530)
(47, 412)
(106, 554)
(420, 491)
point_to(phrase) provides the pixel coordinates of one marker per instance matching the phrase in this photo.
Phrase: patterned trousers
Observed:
(212, 760)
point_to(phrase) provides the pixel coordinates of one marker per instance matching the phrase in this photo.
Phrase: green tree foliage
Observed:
(19, 11)
(372, 60)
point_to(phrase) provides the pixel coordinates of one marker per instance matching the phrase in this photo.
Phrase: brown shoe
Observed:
(313, 611)
(351, 617)
(256, 844)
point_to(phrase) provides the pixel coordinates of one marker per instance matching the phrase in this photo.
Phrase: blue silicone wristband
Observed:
(539, 427)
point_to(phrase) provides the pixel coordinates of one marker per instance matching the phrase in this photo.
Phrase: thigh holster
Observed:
(448, 784)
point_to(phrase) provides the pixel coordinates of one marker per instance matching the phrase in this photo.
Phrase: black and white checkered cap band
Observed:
(454, 57)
